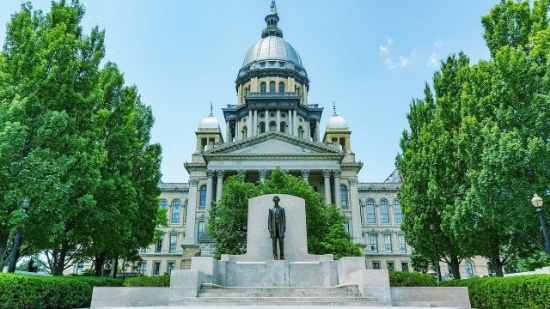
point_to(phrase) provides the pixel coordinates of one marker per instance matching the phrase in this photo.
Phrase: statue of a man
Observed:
(276, 224)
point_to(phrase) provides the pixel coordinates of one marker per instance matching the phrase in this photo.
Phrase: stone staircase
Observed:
(345, 295)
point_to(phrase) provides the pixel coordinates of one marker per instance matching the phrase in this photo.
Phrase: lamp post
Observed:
(17, 239)
(537, 202)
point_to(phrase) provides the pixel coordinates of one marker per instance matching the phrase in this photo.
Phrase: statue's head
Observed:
(276, 199)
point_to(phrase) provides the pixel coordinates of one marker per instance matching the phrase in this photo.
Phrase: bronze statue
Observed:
(276, 224)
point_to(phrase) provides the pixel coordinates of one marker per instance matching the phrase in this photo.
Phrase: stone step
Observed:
(217, 291)
(284, 301)
(345, 295)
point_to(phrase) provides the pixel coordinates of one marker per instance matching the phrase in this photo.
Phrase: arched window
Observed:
(343, 195)
(202, 199)
(262, 127)
(163, 204)
(301, 132)
(469, 269)
(397, 215)
(384, 212)
(371, 216)
(281, 87)
(263, 88)
(283, 127)
(175, 212)
(272, 87)
(244, 132)
(272, 126)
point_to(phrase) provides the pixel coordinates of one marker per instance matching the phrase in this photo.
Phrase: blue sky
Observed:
(370, 57)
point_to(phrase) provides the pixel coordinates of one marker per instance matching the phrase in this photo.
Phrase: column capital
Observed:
(352, 182)
(305, 174)
(337, 173)
(326, 173)
(193, 182)
(263, 173)
(209, 173)
(220, 173)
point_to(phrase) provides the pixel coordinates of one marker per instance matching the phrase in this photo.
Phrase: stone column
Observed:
(209, 187)
(228, 131)
(295, 122)
(219, 186)
(191, 213)
(256, 131)
(237, 130)
(337, 197)
(278, 121)
(356, 230)
(305, 175)
(326, 174)
(318, 131)
(251, 127)
(263, 174)
(266, 122)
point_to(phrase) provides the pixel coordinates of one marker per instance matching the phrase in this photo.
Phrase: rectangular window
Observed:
(390, 266)
(144, 250)
(143, 268)
(387, 243)
(405, 267)
(373, 243)
(375, 265)
(173, 242)
(156, 269)
(200, 230)
(402, 243)
(170, 267)
(158, 247)
(346, 227)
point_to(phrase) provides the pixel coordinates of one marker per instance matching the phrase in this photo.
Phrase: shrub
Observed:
(158, 281)
(411, 279)
(506, 292)
(23, 291)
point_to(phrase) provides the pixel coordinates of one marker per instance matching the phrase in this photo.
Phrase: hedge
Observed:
(159, 281)
(24, 291)
(411, 279)
(507, 292)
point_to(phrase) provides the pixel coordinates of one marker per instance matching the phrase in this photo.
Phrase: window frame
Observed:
(384, 212)
(371, 217)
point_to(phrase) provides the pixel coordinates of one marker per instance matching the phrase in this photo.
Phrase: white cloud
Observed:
(404, 61)
(438, 44)
(432, 61)
(396, 62)
(385, 49)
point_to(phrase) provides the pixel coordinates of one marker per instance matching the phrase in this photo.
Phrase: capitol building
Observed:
(272, 125)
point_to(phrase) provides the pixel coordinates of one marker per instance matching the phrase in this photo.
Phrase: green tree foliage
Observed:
(475, 155)
(508, 131)
(433, 172)
(229, 217)
(325, 224)
(74, 139)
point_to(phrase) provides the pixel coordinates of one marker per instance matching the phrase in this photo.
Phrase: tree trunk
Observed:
(498, 266)
(3, 248)
(454, 263)
(99, 262)
(59, 265)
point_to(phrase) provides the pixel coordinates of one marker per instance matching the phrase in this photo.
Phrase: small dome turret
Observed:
(337, 122)
(209, 122)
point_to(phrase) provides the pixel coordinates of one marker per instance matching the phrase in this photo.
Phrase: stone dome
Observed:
(337, 122)
(209, 122)
(272, 48)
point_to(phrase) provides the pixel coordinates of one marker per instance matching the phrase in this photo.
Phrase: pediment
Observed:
(273, 143)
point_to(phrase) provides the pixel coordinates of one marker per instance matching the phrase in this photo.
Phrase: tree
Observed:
(508, 130)
(324, 223)
(75, 140)
(433, 172)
